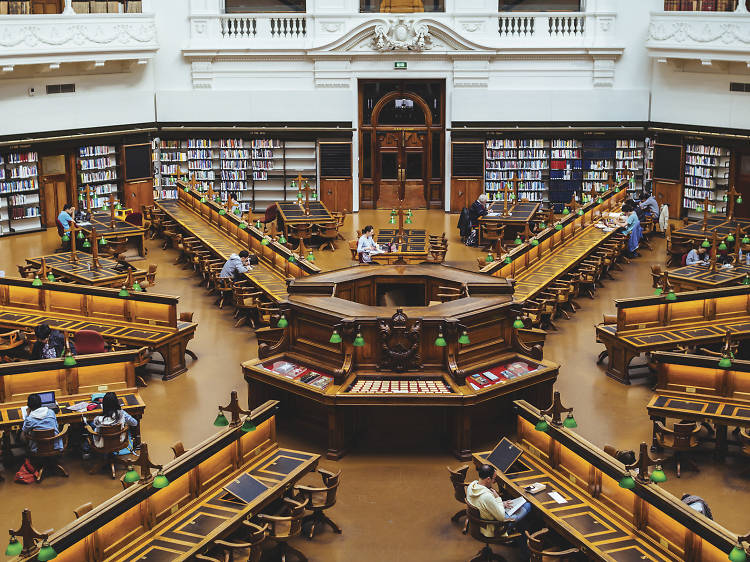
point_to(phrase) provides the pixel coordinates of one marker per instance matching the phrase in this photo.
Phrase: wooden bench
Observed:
(694, 387)
(184, 519)
(653, 323)
(138, 320)
(606, 521)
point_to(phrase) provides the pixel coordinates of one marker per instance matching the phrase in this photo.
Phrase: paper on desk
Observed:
(78, 407)
(557, 497)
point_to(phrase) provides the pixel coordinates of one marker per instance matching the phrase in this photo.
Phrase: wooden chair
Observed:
(340, 220)
(187, 317)
(499, 530)
(114, 247)
(538, 552)
(458, 480)
(300, 232)
(353, 249)
(437, 254)
(319, 500)
(683, 437)
(225, 288)
(252, 545)
(329, 233)
(82, 510)
(150, 277)
(10, 341)
(285, 527)
(492, 235)
(46, 456)
(246, 300)
(113, 439)
(27, 271)
(656, 274)
(178, 449)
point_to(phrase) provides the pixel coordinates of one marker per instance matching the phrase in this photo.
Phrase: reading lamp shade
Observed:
(737, 554)
(335, 337)
(14, 547)
(131, 476)
(570, 422)
(221, 420)
(657, 475)
(36, 282)
(46, 553)
(627, 482)
(463, 339)
(160, 481)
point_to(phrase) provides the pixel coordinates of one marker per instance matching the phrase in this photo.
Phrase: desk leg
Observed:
(654, 443)
(337, 433)
(174, 358)
(619, 363)
(136, 431)
(7, 452)
(459, 426)
(722, 445)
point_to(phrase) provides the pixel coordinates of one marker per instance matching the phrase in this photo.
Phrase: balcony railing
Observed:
(55, 39)
(704, 36)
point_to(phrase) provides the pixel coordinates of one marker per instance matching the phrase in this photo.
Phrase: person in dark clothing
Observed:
(698, 504)
(49, 344)
(478, 209)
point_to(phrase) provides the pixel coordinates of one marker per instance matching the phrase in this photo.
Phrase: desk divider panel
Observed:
(23, 297)
(730, 305)
(687, 311)
(71, 303)
(692, 380)
(115, 534)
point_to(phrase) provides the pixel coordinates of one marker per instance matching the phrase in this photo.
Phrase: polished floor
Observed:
(395, 500)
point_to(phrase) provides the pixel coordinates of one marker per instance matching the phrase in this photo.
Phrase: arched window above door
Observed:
(401, 111)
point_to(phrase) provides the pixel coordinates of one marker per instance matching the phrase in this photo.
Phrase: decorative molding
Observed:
(402, 35)
(202, 75)
(61, 38)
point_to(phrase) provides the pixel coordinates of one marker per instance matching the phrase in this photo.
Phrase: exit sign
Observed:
(399, 65)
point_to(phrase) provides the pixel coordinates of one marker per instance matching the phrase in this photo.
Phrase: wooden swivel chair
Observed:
(682, 438)
(246, 301)
(113, 439)
(538, 552)
(225, 287)
(353, 249)
(285, 527)
(319, 500)
(178, 449)
(656, 274)
(27, 271)
(46, 457)
(329, 233)
(224, 551)
(88, 342)
(340, 220)
(302, 232)
(12, 341)
(500, 534)
(82, 510)
(188, 317)
(150, 277)
(458, 480)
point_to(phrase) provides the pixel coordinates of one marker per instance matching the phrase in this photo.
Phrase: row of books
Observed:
(699, 171)
(22, 157)
(523, 175)
(515, 143)
(97, 163)
(22, 172)
(19, 185)
(692, 193)
(700, 5)
(95, 150)
(517, 165)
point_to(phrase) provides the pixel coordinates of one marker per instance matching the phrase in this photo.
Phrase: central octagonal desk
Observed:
(424, 336)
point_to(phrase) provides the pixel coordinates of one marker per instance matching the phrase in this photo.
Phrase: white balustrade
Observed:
(263, 27)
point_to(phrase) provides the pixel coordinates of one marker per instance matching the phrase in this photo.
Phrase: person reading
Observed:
(39, 417)
(478, 209)
(648, 203)
(66, 216)
(236, 266)
(483, 496)
(112, 414)
(697, 255)
(366, 246)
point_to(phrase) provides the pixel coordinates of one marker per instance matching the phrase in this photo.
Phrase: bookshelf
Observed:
(170, 165)
(630, 159)
(98, 169)
(236, 175)
(566, 172)
(19, 193)
(648, 164)
(526, 158)
(598, 164)
(200, 162)
(706, 175)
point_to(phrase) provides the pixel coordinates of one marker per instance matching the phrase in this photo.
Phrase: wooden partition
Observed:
(654, 323)
(143, 519)
(525, 255)
(139, 319)
(608, 522)
(101, 372)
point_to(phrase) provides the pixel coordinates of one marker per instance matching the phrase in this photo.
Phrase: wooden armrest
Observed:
(228, 544)
(207, 558)
(308, 489)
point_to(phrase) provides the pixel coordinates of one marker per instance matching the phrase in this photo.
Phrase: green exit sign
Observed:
(399, 65)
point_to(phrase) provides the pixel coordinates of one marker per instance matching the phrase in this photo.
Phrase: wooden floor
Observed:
(395, 500)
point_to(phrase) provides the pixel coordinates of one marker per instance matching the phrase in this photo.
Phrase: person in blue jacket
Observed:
(39, 417)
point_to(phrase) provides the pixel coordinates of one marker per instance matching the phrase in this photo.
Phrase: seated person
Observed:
(39, 417)
(698, 504)
(113, 415)
(366, 246)
(66, 216)
(631, 219)
(483, 496)
(649, 204)
(478, 209)
(49, 344)
(697, 255)
(236, 266)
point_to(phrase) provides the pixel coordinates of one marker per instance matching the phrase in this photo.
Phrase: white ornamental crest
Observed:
(402, 35)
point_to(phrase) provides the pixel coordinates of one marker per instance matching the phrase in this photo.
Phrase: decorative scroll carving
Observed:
(403, 35)
(399, 347)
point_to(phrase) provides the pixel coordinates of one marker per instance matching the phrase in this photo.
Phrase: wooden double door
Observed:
(401, 165)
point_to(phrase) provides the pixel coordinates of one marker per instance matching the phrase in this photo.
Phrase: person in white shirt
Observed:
(366, 245)
(483, 496)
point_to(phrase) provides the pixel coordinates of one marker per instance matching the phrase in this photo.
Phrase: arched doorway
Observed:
(401, 147)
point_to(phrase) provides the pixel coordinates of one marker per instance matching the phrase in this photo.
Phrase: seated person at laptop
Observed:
(113, 415)
(697, 255)
(39, 417)
(483, 496)
(236, 266)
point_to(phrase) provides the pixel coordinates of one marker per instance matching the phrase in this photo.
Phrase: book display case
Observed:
(98, 169)
(706, 175)
(255, 172)
(20, 209)
(527, 159)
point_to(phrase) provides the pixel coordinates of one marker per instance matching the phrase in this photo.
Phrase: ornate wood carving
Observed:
(399, 343)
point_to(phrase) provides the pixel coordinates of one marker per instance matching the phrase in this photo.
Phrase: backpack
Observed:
(252, 259)
(27, 474)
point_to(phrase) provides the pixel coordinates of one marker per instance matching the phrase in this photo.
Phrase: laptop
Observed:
(48, 400)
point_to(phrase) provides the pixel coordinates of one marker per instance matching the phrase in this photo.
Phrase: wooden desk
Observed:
(140, 319)
(607, 522)
(291, 212)
(694, 387)
(695, 277)
(99, 372)
(413, 248)
(182, 520)
(653, 323)
(109, 274)
(719, 224)
(101, 221)
(11, 416)
(519, 217)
